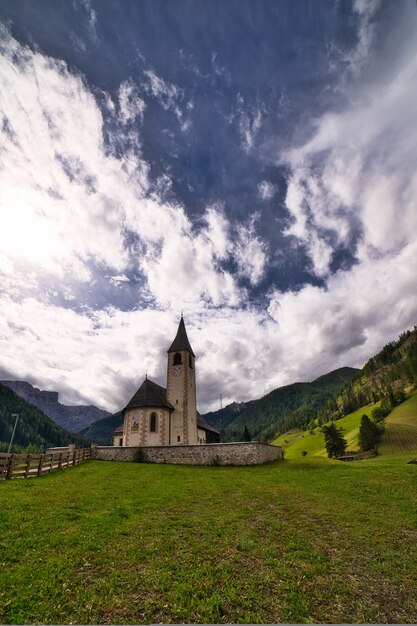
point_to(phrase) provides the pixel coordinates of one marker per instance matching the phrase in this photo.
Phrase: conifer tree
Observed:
(335, 443)
(246, 435)
(369, 434)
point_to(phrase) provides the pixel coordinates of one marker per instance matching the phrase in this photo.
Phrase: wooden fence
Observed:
(26, 465)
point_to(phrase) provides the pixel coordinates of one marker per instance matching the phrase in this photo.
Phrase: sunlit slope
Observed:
(401, 428)
(295, 442)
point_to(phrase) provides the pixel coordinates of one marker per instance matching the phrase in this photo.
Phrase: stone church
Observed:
(156, 416)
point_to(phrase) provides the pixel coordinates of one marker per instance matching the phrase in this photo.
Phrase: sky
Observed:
(250, 163)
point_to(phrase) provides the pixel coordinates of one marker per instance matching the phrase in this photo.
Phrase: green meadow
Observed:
(401, 428)
(297, 441)
(294, 541)
(400, 433)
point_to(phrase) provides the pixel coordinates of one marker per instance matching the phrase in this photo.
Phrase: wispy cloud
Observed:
(79, 211)
(132, 106)
(250, 121)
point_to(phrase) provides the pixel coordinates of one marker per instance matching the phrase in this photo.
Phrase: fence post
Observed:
(28, 457)
(60, 460)
(71, 449)
(10, 466)
(40, 465)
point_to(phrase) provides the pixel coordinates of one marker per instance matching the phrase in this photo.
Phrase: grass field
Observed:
(316, 541)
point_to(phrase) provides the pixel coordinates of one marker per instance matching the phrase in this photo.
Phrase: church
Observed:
(156, 416)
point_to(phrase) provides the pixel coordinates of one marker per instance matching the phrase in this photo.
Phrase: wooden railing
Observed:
(26, 465)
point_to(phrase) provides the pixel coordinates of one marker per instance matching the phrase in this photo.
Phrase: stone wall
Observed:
(244, 453)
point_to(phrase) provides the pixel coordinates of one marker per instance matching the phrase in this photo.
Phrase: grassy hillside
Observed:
(125, 543)
(34, 429)
(295, 442)
(388, 377)
(288, 407)
(400, 434)
(401, 428)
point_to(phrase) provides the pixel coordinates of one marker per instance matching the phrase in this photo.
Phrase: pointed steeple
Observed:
(181, 341)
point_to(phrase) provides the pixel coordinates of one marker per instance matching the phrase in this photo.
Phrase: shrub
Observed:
(380, 412)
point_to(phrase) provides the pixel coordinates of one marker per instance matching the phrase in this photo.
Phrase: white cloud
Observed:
(53, 193)
(266, 190)
(169, 96)
(356, 172)
(250, 122)
(67, 202)
(250, 251)
(92, 19)
(350, 63)
(132, 106)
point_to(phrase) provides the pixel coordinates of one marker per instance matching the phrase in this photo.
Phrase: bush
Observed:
(304, 453)
(380, 412)
(399, 396)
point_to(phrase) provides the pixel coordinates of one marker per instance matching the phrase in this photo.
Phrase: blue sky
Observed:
(249, 163)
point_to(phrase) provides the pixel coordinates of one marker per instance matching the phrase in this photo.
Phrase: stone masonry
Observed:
(243, 453)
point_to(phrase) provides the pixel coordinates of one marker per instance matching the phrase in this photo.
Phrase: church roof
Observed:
(181, 341)
(149, 394)
(202, 423)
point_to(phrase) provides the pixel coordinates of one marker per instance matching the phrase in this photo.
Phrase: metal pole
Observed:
(16, 415)
(221, 415)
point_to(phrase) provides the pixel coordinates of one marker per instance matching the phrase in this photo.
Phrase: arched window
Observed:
(153, 423)
(177, 359)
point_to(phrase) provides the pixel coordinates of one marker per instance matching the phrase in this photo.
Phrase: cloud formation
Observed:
(85, 227)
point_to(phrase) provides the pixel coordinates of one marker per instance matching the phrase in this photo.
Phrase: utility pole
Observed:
(16, 415)
(221, 413)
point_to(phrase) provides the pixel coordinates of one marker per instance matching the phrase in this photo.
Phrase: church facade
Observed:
(159, 416)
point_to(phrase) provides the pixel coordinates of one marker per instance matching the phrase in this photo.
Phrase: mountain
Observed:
(221, 419)
(281, 409)
(388, 376)
(100, 432)
(73, 418)
(35, 431)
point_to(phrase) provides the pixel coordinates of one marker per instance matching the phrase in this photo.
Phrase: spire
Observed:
(181, 340)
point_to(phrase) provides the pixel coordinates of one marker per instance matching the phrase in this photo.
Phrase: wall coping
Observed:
(231, 453)
(199, 445)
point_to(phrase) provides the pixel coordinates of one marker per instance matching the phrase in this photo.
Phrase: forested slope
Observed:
(35, 431)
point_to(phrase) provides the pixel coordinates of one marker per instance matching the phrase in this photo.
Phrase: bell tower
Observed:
(181, 389)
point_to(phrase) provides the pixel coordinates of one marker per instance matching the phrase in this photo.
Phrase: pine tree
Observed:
(335, 443)
(369, 434)
(246, 435)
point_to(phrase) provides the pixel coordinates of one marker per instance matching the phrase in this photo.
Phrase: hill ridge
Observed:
(74, 418)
